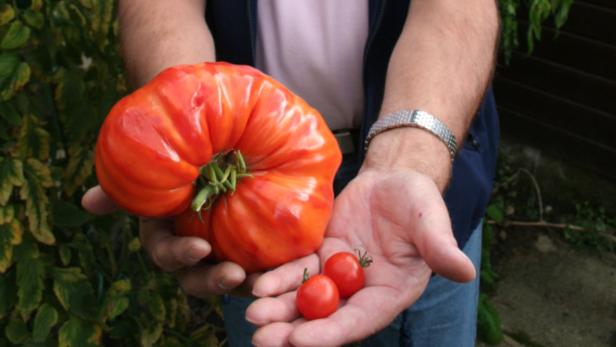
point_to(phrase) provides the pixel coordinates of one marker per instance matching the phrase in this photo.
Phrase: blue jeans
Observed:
(444, 315)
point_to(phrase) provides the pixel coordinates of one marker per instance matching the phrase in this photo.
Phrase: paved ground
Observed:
(553, 294)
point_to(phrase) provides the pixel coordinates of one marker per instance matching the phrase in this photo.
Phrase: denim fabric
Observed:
(445, 315)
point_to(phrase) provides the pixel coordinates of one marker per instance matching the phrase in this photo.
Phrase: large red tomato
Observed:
(255, 160)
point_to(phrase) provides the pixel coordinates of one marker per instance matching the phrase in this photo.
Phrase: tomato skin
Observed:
(318, 297)
(155, 141)
(346, 271)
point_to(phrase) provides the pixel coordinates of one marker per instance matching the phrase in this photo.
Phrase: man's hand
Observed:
(173, 253)
(400, 219)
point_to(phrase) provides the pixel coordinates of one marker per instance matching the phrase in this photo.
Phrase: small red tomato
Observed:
(347, 271)
(317, 297)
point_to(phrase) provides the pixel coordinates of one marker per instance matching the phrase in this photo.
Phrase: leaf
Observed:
(562, 13)
(151, 331)
(7, 293)
(36, 179)
(10, 235)
(79, 168)
(66, 214)
(7, 213)
(65, 254)
(30, 275)
(16, 331)
(117, 306)
(134, 245)
(495, 212)
(488, 322)
(7, 13)
(74, 292)
(20, 77)
(85, 253)
(151, 323)
(70, 97)
(34, 19)
(33, 140)
(8, 65)
(11, 175)
(79, 333)
(36, 5)
(115, 300)
(10, 114)
(45, 319)
(16, 37)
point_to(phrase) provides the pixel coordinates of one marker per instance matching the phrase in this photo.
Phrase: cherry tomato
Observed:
(347, 271)
(317, 297)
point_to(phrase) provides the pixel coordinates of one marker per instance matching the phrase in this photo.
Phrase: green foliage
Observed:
(488, 322)
(538, 12)
(68, 278)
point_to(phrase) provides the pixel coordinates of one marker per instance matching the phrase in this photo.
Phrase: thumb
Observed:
(96, 201)
(434, 240)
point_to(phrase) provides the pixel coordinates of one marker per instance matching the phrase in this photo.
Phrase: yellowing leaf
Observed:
(36, 178)
(7, 13)
(151, 332)
(11, 175)
(6, 214)
(16, 37)
(74, 292)
(79, 168)
(33, 140)
(45, 319)
(79, 333)
(30, 275)
(10, 235)
(115, 300)
(20, 77)
(36, 5)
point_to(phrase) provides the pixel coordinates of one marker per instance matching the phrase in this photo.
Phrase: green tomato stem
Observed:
(218, 177)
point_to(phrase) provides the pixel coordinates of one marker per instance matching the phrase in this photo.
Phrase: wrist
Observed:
(412, 149)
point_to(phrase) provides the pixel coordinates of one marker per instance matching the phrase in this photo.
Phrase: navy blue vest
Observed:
(233, 26)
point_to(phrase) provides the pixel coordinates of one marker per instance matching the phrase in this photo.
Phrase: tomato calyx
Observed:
(364, 259)
(219, 176)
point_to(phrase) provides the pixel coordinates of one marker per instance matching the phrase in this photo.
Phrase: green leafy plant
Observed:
(539, 11)
(68, 278)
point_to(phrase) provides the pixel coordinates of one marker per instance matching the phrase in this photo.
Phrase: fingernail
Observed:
(223, 286)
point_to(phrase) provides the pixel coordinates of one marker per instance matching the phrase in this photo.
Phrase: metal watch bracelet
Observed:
(415, 119)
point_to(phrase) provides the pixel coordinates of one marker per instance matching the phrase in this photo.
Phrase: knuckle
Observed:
(159, 258)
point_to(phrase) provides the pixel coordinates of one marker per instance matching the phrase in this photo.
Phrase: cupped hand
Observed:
(179, 254)
(400, 219)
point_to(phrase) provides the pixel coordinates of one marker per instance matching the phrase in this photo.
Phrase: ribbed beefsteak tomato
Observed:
(256, 161)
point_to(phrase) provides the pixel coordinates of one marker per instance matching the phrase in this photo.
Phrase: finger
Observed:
(268, 310)
(275, 334)
(367, 312)
(435, 242)
(204, 280)
(167, 251)
(286, 277)
(96, 201)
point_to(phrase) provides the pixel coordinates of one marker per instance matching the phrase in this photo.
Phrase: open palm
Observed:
(400, 219)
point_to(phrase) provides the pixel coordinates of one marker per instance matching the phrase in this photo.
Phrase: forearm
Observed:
(156, 34)
(441, 64)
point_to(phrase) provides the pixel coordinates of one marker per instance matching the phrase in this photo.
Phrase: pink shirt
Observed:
(316, 48)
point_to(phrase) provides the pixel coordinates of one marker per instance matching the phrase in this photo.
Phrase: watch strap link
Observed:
(416, 119)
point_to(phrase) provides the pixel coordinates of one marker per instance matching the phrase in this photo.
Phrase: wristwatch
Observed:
(415, 119)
